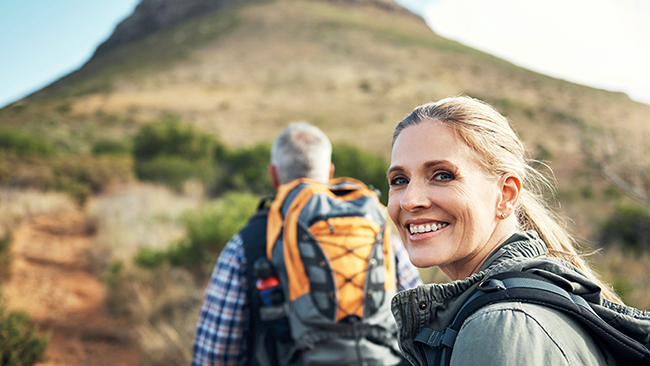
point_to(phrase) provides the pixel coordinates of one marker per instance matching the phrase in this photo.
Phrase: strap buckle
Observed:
(491, 285)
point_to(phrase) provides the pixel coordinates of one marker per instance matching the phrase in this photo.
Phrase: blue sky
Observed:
(43, 40)
(601, 43)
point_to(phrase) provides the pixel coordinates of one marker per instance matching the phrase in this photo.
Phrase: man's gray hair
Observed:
(302, 151)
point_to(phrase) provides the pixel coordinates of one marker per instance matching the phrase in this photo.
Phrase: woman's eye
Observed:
(397, 181)
(443, 176)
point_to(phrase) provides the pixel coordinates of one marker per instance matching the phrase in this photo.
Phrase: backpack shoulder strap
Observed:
(254, 235)
(529, 288)
(254, 242)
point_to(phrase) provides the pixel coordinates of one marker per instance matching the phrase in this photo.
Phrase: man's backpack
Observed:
(330, 248)
(526, 287)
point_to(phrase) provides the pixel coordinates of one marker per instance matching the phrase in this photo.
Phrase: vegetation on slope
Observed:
(196, 107)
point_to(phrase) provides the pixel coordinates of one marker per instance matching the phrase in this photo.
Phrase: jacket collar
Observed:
(435, 305)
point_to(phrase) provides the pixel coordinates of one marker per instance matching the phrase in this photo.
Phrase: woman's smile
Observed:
(416, 230)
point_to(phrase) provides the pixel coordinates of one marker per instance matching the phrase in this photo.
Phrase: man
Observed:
(223, 334)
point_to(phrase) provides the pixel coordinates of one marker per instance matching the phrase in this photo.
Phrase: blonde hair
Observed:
(491, 136)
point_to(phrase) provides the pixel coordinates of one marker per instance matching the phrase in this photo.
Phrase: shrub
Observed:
(173, 171)
(24, 144)
(172, 138)
(170, 152)
(20, 344)
(25, 172)
(162, 304)
(208, 230)
(212, 226)
(110, 147)
(244, 169)
(628, 226)
(5, 257)
(82, 175)
(350, 161)
(77, 175)
(115, 274)
(149, 258)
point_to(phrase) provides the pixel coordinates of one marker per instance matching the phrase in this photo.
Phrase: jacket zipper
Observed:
(415, 321)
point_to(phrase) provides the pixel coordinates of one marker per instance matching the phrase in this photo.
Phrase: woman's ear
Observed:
(510, 186)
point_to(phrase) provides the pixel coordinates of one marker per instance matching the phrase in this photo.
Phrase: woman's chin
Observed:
(423, 260)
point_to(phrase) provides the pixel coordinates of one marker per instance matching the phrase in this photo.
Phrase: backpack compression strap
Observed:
(529, 288)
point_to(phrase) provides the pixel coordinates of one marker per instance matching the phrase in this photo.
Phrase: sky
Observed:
(44, 40)
(599, 43)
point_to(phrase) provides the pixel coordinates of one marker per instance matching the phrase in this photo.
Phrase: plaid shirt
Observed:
(219, 338)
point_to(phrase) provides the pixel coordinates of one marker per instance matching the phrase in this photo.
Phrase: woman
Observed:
(464, 199)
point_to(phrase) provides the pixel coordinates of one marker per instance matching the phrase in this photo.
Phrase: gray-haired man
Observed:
(226, 327)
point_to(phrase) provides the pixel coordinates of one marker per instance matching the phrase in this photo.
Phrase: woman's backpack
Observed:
(627, 347)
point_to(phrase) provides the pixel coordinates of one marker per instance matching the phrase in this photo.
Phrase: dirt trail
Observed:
(51, 280)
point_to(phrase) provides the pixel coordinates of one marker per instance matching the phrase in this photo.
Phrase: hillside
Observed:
(352, 68)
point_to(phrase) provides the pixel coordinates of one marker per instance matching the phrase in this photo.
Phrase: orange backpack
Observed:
(330, 247)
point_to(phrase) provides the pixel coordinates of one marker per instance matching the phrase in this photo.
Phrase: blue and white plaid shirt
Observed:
(219, 338)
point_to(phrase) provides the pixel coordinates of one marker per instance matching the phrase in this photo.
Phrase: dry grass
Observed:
(135, 216)
(162, 303)
(17, 206)
(164, 306)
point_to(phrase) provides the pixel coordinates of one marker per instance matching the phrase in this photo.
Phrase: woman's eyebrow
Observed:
(432, 163)
(395, 168)
(428, 165)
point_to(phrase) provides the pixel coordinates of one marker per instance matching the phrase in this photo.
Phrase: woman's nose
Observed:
(414, 198)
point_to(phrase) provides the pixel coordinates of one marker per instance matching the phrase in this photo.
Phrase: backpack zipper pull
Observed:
(330, 225)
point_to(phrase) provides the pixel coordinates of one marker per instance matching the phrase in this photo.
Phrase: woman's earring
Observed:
(503, 215)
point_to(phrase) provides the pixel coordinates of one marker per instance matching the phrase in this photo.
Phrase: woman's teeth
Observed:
(418, 229)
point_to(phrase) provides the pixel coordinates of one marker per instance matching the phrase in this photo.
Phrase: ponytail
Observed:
(534, 214)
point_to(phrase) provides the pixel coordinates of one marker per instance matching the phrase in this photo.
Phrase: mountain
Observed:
(243, 69)
(155, 15)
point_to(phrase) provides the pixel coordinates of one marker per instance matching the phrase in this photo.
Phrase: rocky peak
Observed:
(153, 15)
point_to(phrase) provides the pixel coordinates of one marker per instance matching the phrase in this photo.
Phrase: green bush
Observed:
(628, 226)
(110, 147)
(244, 169)
(352, 162)
(211, 227)
(77, 175)
(20, 344)
(173, 171)
(170, 137)
(115, 275)
(149, 258)
(24, 144)
(208, 230)
(5, 257)
(171, 152)
(82, 175)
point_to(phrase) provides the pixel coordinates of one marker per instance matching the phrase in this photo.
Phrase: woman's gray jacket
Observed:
(513, 333)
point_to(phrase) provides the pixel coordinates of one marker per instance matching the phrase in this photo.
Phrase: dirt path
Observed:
(52, 281)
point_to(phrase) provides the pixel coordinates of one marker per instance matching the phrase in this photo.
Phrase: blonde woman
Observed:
(464, 198)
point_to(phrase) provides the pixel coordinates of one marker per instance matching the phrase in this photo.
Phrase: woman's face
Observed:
(442, 201)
